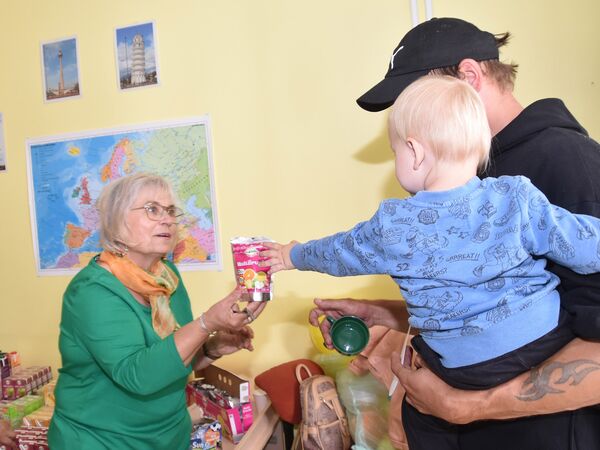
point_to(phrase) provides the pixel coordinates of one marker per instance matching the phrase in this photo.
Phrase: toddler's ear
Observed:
(418, 152)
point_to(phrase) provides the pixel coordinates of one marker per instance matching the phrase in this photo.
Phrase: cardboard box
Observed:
(233, 411)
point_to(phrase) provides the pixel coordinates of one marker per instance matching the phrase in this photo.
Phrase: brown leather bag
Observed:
(324, 425)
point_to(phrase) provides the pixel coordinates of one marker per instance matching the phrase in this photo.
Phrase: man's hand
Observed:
(430, 395)
(389, 313)
(569, 380)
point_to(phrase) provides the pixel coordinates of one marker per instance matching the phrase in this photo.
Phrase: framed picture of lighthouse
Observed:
(137, 62)
(61, 69)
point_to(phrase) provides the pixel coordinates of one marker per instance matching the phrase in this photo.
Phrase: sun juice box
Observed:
(248, 273)
(206, 435)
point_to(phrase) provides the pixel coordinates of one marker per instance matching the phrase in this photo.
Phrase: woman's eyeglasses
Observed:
(156, 212)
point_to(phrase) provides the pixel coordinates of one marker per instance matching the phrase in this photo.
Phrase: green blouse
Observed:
(120, 386)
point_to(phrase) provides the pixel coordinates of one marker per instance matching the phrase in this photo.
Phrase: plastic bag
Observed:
(332, 363)
(367, 405)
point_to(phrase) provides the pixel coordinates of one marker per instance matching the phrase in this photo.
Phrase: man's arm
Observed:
(568, 380)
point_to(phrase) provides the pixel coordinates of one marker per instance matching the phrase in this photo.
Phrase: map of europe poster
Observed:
(67, 173)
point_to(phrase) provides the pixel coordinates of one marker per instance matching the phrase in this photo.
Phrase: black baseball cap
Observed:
(438, 42)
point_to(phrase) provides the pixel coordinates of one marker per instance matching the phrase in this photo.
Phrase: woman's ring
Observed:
(249, 314)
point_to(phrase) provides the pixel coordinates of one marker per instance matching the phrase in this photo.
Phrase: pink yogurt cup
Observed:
(248, 274)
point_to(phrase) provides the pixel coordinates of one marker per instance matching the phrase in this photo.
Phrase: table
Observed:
(265, 421)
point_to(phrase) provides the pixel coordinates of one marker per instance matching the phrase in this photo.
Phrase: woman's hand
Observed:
(227, 314)
(225, 343)
(8, 438)
(278, 256)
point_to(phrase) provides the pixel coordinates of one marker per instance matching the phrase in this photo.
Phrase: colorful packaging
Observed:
(32, 438)
(248, 273)
(206, 435)
(15, 359)
(39, 418)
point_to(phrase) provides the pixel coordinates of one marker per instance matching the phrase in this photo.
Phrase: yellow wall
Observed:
(279, 79)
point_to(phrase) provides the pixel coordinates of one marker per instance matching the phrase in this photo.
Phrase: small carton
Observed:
(23, 384)
(225, 397)
(8, 390)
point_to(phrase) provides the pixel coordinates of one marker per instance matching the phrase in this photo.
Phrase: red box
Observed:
(23, 384)
(8, 390)
(235, 420)
(42, 373)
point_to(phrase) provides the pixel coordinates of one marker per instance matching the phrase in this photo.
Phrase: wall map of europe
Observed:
(67, 173)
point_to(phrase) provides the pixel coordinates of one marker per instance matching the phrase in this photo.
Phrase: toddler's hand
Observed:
(278, 256)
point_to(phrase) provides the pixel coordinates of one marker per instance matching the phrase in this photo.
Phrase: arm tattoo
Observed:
(539, 383)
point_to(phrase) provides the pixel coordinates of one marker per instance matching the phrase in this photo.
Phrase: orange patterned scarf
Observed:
(156, 286)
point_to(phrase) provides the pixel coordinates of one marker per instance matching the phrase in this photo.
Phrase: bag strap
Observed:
(297, 442)
(299, 368)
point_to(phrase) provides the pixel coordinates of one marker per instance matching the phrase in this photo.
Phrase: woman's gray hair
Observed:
(117, 199)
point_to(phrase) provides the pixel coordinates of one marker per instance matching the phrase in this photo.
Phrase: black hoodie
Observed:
(547, 145)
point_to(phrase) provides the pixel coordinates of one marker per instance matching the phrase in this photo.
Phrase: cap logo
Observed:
(393, 56)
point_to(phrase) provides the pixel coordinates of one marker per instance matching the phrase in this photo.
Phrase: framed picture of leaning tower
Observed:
(61, 69)
(137, 61)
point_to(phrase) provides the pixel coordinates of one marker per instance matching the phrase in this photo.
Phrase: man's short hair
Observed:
(504, 74)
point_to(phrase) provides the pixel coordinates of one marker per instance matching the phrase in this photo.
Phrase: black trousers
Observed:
(572, 430)
(569, 430)
(487, 374)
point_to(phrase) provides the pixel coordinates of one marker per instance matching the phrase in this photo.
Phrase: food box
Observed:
(24, 381)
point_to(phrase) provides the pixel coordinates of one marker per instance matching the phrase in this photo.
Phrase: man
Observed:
(545, 143)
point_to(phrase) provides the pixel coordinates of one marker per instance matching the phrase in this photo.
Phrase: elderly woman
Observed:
(128, 339)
